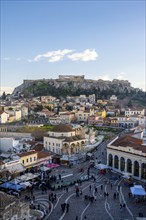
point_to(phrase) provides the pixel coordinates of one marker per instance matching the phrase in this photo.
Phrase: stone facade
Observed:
(64, 140)
(128, 154)
(12, 208)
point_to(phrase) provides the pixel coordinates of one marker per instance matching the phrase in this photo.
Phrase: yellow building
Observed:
(101, 113)
(28, 159)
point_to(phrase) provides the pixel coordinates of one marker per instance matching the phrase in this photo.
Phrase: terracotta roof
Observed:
(38, 147)
(62, 128)
(1, 112)
(73, 138)
(43, 154)
(131, 142)
(27, 153)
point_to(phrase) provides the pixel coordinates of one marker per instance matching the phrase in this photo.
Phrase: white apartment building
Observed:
(3, 117)
(8, 144)
(134, 112)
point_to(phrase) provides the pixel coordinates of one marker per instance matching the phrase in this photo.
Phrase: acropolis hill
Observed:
(74, 85)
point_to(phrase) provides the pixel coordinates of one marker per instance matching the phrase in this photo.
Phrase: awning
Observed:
(25, 184)
(101, 166)
(44, 168)
(138, 190)
(18, 168)
(53, 165)
(27, 176)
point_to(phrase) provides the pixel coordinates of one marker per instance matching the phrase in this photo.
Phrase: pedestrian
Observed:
(67, 207)
(101, 187)
(90, 187)
(85, 217)
(115, 196)
(111, 185)
(96, 191)
(62, 207)
(95, 197)
(121, 206)
(129, 194)
(124, 205)
(66, 189)
(76, 217)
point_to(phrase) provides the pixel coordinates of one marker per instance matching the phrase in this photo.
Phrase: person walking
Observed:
(124, 205)
(67, 207)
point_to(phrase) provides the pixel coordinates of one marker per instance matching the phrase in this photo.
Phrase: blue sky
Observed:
(100, 39)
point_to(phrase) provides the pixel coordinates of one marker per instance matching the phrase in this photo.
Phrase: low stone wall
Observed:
(15, 135)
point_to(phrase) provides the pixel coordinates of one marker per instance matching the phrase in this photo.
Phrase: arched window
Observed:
(122, 164)
(136, 169)
(129, 166)
(116, 162)
(143, 171)
(110, 160)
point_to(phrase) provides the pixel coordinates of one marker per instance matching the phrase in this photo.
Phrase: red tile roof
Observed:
(43, 154)
(27, 153)
(38, 147)
(127, 140)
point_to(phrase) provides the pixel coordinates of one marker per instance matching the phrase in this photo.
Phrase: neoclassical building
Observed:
(64, 139)
(128, 154)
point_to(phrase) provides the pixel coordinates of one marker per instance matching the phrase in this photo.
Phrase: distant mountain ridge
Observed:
(75, 85)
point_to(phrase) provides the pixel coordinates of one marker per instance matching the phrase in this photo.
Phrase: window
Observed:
(62, 134)
(53, 144)
(26, 160)
(30, 159)
(23, 161)
(34, 158)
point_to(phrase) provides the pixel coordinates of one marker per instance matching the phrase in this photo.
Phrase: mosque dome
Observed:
(62, 128)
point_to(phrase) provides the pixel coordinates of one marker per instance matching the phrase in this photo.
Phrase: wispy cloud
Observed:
(58, 55)
(51, 56)
(104, 77)
(86, 55)
(121, 76)
(6, 58)
(18, 59)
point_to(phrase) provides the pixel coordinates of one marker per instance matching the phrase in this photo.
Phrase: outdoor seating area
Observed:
(18, 184)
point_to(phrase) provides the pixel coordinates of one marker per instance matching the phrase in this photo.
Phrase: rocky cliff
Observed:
(74, 85)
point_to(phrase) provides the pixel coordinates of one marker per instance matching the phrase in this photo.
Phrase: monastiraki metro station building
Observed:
(127, 154)
(63, 139)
